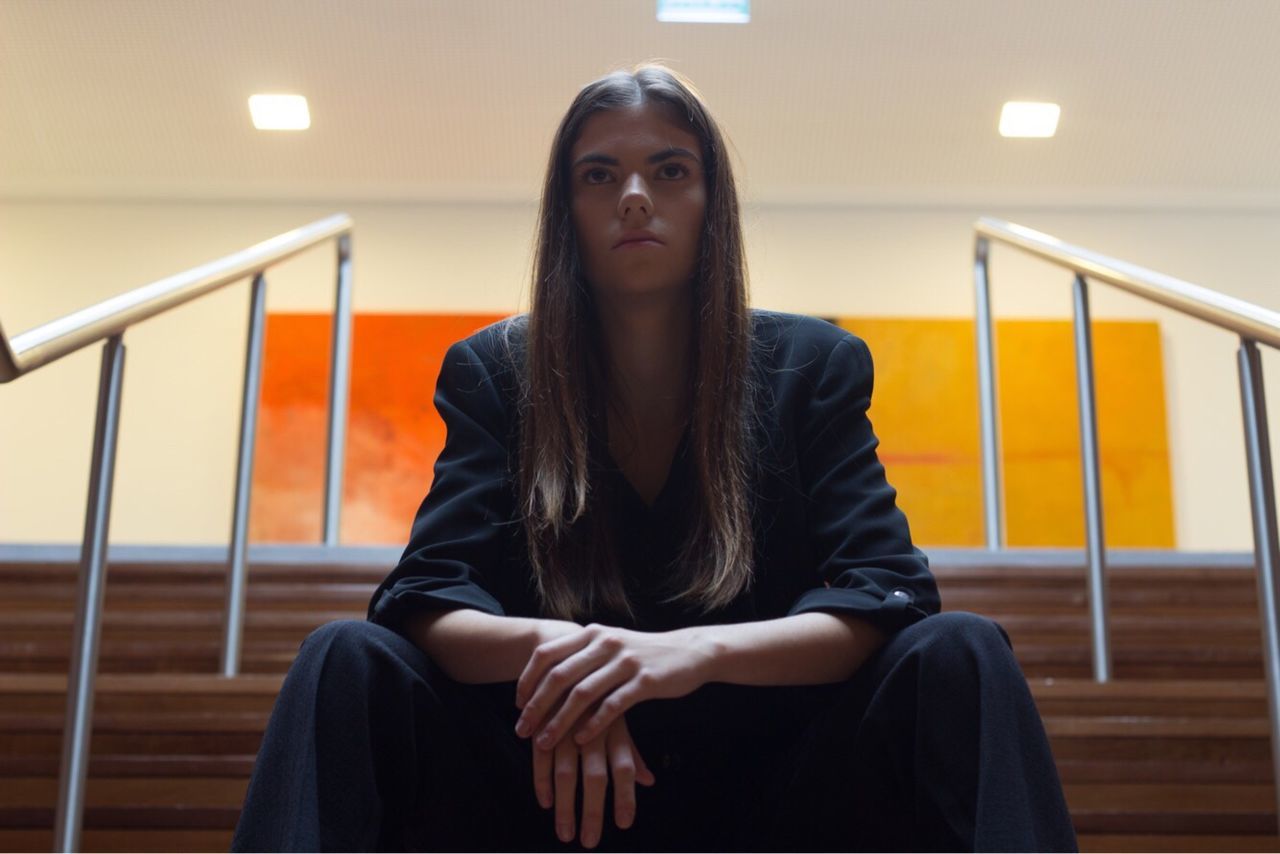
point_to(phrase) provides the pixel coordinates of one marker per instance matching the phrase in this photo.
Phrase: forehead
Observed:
(647, 127)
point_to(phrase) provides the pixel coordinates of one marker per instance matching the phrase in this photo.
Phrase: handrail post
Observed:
(1094, 542)
(1266, 541)
(91, 587)
(233, 619)
(992, 488)
(339, 387)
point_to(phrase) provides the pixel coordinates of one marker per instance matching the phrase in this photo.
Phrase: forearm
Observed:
(805, 649)
(474, 647)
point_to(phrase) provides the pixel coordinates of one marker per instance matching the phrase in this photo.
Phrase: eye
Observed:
(679, 170)
(595, 176)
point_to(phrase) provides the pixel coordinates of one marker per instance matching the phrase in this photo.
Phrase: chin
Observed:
(639, 288)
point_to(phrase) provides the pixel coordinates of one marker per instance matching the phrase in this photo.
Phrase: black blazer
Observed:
(829, 535)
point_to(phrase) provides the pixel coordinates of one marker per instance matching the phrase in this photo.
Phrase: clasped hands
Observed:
(573, 694)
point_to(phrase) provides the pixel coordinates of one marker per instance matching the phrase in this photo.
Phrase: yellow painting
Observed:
(925, 411)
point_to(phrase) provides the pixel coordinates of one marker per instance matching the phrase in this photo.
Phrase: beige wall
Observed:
(183, 371)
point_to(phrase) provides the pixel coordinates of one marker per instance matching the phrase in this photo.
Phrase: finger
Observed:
(566, 780)
(595, 777)
(556, 683)
(578, 702)
(544, 657)
(643, 775)
(622, 767)
(542, 762)
(625, 694)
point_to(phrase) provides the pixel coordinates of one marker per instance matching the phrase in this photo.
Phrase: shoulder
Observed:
(497, 345)
(480, 376)
(803, 345)
(494, 353)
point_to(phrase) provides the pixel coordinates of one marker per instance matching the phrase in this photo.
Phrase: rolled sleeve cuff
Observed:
(410, 596)
(889, 613)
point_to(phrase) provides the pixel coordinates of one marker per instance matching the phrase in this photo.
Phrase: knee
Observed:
(345, 649)
(958, 644)
(341, 635)
(963, 629)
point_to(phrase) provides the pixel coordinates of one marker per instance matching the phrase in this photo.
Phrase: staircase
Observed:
(1173, 755)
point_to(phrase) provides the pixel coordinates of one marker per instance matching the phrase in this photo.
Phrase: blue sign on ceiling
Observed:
(705, 11)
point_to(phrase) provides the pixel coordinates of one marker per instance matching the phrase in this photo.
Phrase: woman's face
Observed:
(633, 171)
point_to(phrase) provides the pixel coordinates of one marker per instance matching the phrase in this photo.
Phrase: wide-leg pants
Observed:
(934, 744)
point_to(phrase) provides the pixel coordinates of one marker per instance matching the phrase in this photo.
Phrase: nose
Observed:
(635, 198)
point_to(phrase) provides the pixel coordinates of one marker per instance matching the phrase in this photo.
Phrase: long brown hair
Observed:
(575, 569)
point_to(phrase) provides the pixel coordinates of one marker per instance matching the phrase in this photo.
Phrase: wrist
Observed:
(709, 647)
(549, 630)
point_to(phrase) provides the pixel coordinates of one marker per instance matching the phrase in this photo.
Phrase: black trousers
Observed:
(934, 744)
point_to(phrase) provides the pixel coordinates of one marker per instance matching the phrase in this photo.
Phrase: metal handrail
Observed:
(108, 321)
(1237, 315)
(51, 341)
(1254, 324)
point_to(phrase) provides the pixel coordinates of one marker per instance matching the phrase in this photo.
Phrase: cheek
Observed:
(695, 226)
(582, 234)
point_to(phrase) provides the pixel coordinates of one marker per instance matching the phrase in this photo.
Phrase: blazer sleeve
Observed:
(866, 564)
(461, 529)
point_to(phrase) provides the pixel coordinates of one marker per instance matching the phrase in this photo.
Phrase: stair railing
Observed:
(108, 321)
(1255, 325)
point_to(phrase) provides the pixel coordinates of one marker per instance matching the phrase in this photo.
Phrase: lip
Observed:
(638, 238)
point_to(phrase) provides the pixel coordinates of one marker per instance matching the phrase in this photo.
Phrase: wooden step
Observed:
(1090, 842)
(1152, 698)
(133, 839)
(186, 573)
(1172, 808)
(136, 743)
(144, 597)
(136, 817)
(134, 766)
(1255, 771)
(158, 792)
(59, 623)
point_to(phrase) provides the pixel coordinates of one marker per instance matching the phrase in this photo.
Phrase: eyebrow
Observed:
(666, 154)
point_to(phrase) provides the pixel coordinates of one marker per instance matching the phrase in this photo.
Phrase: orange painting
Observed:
(393, 431)
(925, 410)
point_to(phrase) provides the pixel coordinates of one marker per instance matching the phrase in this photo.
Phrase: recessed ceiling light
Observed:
(704, 11)
(1029, 119)
(279, 112)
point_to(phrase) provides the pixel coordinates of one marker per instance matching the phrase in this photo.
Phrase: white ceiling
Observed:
(1164, 102)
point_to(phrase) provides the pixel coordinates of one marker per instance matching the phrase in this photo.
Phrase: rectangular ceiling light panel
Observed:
(279, 112)
(1029, 119)
(704, 11)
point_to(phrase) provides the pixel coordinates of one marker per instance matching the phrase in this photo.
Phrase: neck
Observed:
(646, 340)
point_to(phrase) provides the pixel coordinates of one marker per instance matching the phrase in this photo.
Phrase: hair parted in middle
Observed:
(575, 568)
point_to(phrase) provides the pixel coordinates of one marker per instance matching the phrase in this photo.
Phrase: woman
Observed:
(659, 550)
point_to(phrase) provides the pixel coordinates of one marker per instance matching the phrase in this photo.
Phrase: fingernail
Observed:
(589, 840)
(625, 819)
(565, 832)
(522, 728)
